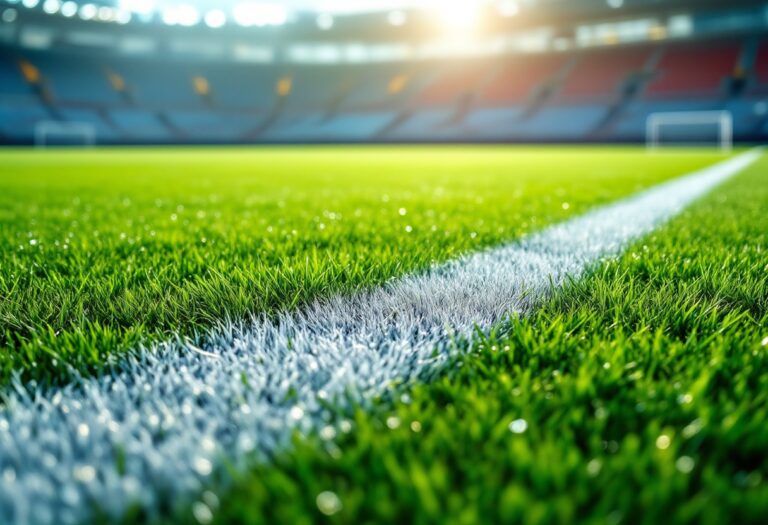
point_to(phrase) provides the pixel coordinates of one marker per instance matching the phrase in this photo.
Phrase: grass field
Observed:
(635, 395)
(638, 395)
(101, 251)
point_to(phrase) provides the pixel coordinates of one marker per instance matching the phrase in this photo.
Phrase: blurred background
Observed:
(262, 71)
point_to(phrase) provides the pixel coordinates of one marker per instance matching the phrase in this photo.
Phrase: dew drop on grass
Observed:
(84, 473)
(203, 466)
(764, 342)
(518, 426)
(328, 433)
(663, 442)
(393, 422)
(594, 467)
(685, 464)
(296, 413)
(328, 503)
(202, 512)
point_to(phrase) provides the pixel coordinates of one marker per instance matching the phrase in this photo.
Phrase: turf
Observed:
(100, 251)
(638, 395)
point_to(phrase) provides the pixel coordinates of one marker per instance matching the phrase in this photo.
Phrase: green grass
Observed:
(102, 250)
(643, 390)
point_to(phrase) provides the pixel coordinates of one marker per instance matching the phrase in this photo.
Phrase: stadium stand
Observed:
(600, 93)
(600, 74)
(693, 70)
(524, 77)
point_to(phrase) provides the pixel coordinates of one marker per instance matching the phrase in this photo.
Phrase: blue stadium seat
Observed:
(159, 85)
(212, 126)
(18, 120)
(242, 86)
(347, 127)
(630, 124)
(571, 122)
(139, 124)
(370, 87)
(497, 123)
(748, 114)
(104, 132)
(75, 79)
(12, 83)
(428, 124)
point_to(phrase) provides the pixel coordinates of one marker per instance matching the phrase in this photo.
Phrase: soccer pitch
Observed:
(634, 393)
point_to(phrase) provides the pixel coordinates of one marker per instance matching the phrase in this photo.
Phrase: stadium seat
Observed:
(493, 124)
(567, 122)
(240, 86)
(599, 74)
(156, 85)
(346, 127)
(18, 120)
(12, 82)
(630, 125)
(694, 70)
(136, 124)
(104, 132)
(428, 124)
(214, 126)
(759, 84)
(74, 79)
(384, 87)
(520, 79)
(455, 82)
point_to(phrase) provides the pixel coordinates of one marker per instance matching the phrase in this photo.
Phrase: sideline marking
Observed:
(174, 411)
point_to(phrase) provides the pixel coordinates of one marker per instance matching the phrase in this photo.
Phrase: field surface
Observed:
(636, 394)
(101, 251)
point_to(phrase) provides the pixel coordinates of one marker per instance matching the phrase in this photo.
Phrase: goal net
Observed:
(55, 133)
(690, 127)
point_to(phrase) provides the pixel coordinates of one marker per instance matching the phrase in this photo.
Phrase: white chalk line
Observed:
(155, 430)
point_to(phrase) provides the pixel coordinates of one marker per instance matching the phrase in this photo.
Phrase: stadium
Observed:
(383, 261)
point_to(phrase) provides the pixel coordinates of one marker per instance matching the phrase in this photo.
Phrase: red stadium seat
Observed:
(453, 84)
(518, 79)
(690, 70)
(601, 73)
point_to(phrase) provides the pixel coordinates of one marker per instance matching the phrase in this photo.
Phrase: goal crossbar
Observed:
(47, 128)
(722, 119)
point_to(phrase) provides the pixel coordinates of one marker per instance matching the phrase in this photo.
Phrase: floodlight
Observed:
(258, 14)
(215, 18)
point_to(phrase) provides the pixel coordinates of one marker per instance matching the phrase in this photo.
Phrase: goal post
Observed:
(53, 132)
(689, 126)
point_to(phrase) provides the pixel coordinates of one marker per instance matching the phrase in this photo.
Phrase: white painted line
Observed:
(154, 431)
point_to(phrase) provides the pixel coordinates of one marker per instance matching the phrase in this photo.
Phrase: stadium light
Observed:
(51, 7)
(169, 16)
(69, 9)
(9, 15)
(30, 3)
(215, 18)
(257, 14)
(142, 7)
(458, 15)
(88, 11)
(187, 15)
